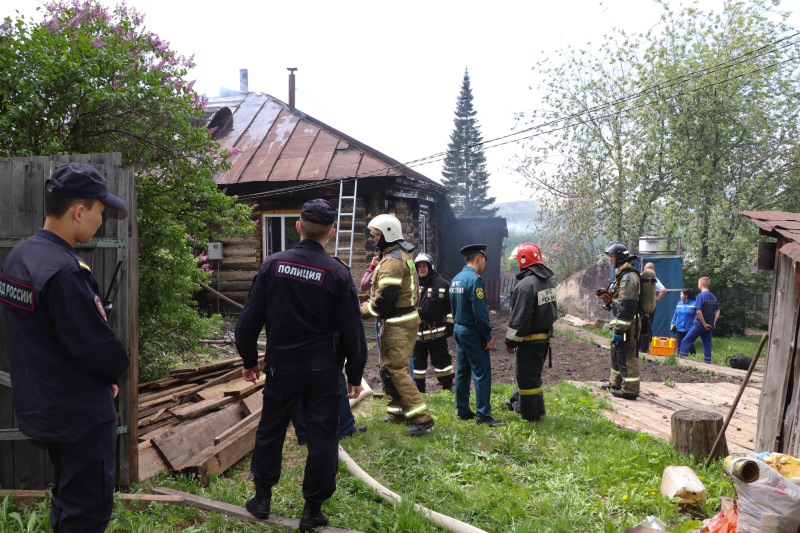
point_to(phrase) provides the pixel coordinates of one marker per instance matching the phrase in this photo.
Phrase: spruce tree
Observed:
(464, 171)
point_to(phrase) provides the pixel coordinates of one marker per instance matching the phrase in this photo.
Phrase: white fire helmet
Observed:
(424, 258)
(389, 226)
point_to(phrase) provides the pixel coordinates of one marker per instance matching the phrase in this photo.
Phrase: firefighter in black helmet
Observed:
(436, 324)
(624, 289)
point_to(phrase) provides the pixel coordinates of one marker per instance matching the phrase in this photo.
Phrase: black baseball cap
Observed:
(77, 180)
(319, 211)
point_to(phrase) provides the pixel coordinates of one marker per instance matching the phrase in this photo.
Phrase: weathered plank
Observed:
(218, 458)
(181, 443)
(240, 513)
(231, 388)
(150, 462)
(200, 408)
(25, 497)
(143, 501)
(252, 404)
(780, 358)
(239, 425)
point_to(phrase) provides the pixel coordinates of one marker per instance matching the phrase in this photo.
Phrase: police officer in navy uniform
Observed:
(65, 360)
(303, 296)
(473, 336)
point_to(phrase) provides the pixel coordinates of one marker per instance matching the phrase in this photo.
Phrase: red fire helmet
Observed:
(526, 254)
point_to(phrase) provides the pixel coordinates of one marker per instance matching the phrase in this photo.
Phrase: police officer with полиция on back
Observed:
(302, 296)
(65, 360)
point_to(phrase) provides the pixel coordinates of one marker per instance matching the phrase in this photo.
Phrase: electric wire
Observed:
(488, 144)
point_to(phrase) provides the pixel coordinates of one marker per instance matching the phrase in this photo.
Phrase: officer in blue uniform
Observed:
(64, 358)
(473, 335)
(303, 296)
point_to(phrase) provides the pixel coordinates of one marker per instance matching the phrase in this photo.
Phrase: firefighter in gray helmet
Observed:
(530, 326)
(436, 324)
(393, 301)
(624, 291)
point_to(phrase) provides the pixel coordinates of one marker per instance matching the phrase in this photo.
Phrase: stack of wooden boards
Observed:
(200, 420)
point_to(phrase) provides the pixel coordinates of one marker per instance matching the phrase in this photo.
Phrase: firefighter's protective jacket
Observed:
(436, 320)
(625, 298)
(393, 295)
(533, 307)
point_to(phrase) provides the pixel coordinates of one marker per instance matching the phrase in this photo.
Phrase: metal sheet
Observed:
(241, 122)
(263, 161)
(791, 250)
(345, 163)
(252, 138)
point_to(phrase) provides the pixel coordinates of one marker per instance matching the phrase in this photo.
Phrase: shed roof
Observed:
(779, 223)
(279, 143)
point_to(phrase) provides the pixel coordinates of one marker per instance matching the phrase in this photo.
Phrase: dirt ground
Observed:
(572, 360)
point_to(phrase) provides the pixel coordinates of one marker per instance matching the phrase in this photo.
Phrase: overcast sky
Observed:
(389, 75)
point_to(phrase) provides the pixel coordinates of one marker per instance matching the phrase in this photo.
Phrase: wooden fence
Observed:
(24, 463)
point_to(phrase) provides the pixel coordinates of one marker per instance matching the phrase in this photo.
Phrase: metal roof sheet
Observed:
(276, 143)
(776, 223)
(792, 250)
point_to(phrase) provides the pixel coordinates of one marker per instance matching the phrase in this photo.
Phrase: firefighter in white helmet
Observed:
(436, 324)
(530, 326)
(392, 300)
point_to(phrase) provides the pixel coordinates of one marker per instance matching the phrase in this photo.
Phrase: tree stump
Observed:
(694, 432)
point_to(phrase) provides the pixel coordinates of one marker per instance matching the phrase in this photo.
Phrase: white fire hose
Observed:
(445, 522)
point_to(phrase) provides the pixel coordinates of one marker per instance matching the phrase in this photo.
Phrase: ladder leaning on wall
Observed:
(352, 216)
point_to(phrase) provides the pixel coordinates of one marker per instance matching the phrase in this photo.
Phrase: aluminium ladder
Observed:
(352, 216)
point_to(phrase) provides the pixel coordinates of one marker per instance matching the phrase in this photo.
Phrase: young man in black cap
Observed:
(303, 296)
(64, 358)
(473, 335)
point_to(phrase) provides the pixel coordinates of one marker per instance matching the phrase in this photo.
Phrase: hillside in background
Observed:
(520, 216)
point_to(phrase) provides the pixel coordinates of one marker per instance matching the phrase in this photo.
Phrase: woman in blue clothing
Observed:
(683, 318)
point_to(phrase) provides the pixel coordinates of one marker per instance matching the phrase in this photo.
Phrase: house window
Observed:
(279, 233)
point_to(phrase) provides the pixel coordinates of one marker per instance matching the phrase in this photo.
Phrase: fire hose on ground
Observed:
(443, 521)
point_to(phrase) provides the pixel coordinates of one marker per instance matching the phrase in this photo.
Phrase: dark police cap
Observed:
(319, 211)
(472, 248)
(76, 180)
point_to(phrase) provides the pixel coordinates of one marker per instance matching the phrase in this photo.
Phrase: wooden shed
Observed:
(779, 404)
(24, 463)
(282, 158)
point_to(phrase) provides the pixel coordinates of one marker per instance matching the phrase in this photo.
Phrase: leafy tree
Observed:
(709, 106)
(464, 169)
(88, 79)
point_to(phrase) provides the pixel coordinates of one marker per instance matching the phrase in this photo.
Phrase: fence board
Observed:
(783, 334)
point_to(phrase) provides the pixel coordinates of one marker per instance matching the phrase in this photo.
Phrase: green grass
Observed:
(572, 471)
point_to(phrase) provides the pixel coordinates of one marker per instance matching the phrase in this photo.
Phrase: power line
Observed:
(684, 78)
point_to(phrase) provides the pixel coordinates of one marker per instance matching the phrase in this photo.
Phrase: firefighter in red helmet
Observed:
(530, 326)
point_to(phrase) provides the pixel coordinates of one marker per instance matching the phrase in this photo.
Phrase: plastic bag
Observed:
(771, 504)
(722, 523)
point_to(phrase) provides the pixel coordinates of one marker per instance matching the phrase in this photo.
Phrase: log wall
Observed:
(242, 257)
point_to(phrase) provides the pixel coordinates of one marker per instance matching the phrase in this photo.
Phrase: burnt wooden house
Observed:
(779, 404)
(281, 157)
